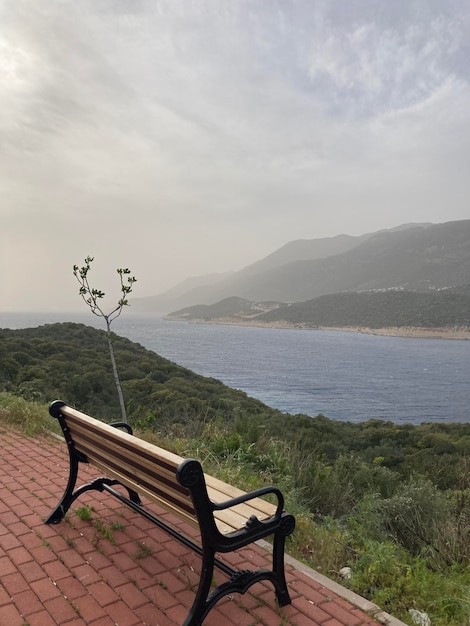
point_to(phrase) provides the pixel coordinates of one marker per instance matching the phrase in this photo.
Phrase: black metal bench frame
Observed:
(191, 478)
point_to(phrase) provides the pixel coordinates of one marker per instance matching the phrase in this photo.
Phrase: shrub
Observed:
(385, 573)
(31, 417)
(423, 520)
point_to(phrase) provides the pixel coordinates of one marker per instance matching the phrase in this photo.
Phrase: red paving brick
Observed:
(74, 574)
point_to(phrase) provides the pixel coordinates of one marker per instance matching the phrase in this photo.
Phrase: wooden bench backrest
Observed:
(144, 467)
(151, 471)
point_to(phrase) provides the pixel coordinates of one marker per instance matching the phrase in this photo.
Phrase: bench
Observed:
(227, 519)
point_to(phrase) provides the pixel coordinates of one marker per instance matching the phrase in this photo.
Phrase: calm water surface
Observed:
(347, 376)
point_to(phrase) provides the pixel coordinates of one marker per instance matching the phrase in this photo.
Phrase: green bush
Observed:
(397, 582)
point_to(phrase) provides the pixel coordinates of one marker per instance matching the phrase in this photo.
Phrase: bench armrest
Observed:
(246, 497)
(124, 425)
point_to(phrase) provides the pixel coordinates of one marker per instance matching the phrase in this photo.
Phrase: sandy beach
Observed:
(394, 331)
(412, 331)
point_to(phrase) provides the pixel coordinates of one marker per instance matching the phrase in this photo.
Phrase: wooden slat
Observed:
(139, 480)
(150, 495)
(116, 433)
(151, 471)
(128, 455)
(132, 459)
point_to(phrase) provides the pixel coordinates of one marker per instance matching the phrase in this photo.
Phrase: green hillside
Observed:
(447, 308)
(71, 362)
(432, 309)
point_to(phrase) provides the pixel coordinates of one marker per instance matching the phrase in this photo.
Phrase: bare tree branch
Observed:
(91, 297)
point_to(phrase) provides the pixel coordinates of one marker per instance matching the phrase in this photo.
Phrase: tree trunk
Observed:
(116, 375)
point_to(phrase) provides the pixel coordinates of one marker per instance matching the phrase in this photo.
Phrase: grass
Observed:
(84, 513)
(32, 418)
(103, 530)
(142, 550)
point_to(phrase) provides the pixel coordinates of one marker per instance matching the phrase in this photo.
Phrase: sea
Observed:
(342, 375)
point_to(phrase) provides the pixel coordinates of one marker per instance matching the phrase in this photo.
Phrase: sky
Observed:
(179, 138)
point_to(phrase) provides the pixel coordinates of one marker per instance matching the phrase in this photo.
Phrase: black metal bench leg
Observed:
(201, 606)
(282, 594)
(61, 509)
(286, 528)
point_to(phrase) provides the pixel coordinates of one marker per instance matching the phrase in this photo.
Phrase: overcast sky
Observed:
(180, 138)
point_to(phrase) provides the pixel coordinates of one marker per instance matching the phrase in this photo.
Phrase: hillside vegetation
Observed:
(71, 361)
(390, 501)
(449, 308)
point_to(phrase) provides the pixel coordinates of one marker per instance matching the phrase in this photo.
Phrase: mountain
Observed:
(302, 250)
(209, 288)
(166, 300)
(415, 257)
(312, 249)
(205, 289)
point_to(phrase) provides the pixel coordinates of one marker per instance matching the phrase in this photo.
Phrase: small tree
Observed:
(91, 297)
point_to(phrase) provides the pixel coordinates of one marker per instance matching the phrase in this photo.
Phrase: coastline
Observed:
(411, 331)
(392, 331)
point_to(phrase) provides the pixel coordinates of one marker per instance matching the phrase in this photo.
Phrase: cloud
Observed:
(198, 137)
(375, 69)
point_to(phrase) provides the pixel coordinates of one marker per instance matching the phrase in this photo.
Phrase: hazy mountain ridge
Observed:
(163, 301)
(412, 257)
(418, 258)
(313, 249)
(203, 289)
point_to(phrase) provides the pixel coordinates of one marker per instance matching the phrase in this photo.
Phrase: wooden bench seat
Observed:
(227, 518)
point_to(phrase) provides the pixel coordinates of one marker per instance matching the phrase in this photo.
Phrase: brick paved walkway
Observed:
(119, 569)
